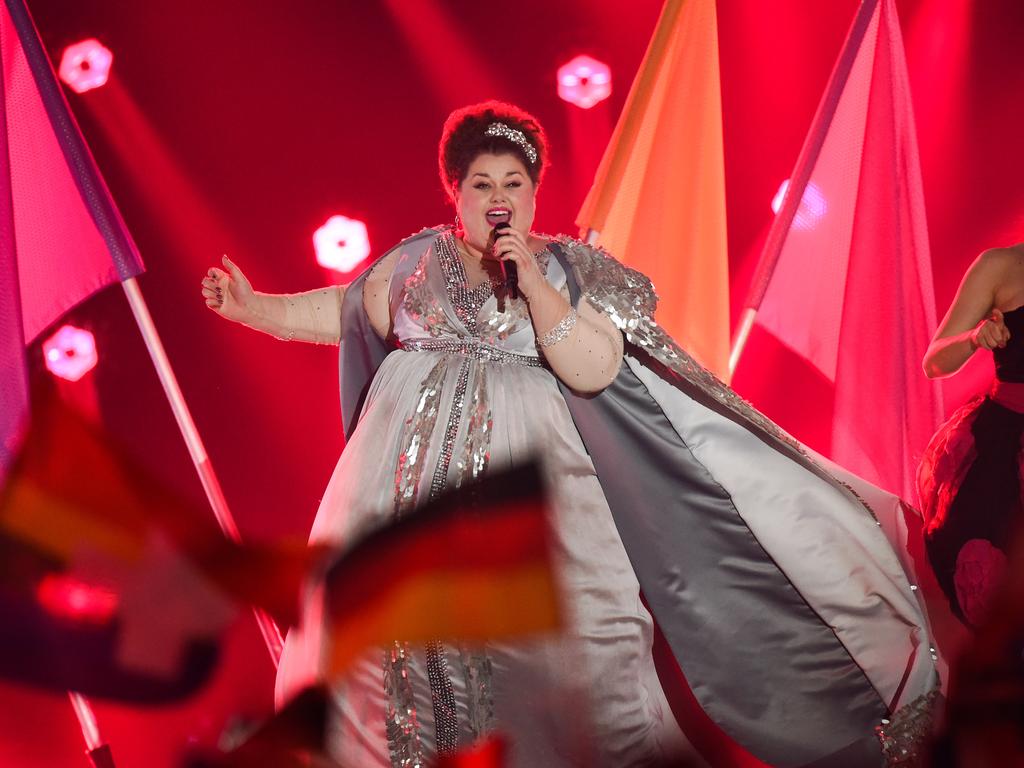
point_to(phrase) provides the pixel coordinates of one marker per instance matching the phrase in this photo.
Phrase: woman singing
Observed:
(782, 601)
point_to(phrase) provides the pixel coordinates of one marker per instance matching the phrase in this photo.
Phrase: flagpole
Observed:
(128, 263)
(798, 184)
(98, 752)
(200, 459)
(740, 339)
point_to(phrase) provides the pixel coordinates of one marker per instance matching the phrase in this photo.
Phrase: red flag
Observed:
(61, 236)
(845, 280)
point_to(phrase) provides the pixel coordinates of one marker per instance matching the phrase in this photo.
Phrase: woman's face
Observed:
(496, 188)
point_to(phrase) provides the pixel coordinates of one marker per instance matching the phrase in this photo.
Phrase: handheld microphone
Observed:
(508, 268)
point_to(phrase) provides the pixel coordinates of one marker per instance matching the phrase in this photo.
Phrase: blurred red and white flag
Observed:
(845, 279)
(61, 236)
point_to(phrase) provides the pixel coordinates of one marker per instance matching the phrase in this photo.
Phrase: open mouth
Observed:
(498, 215)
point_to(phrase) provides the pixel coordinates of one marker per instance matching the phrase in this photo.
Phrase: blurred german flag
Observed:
(111, 584)
(474, 565)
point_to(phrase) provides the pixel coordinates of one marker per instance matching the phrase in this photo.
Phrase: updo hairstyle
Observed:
(465, 137)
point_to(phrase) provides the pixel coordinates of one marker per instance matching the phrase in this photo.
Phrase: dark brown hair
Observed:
(464, 138)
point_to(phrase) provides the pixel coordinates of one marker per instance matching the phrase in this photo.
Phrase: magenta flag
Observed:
(61, 235)
(845, 280)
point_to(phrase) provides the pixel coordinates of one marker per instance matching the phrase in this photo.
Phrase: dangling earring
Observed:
(458, 222)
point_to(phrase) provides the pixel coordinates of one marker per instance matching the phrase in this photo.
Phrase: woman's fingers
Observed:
(236, 273)
(510, 244)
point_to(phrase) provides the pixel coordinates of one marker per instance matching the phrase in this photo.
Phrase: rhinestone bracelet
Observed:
(560, 331)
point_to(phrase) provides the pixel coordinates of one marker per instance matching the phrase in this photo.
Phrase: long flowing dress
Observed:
(970, 485)
(463, 390)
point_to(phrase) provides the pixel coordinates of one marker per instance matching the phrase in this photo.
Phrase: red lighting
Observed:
(66, 597)
(341, 244)
(584, 81)
(70, 353)
(86, 65)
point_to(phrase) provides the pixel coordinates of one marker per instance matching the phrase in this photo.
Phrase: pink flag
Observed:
(61, 236)
(845, 279)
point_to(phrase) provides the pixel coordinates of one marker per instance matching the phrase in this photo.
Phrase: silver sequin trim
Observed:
(903, 736)
(442, 697)
(471, 348)
(402, 726)
(440, 478)
(472, 463)
(478, 669)
(466, 302)
(476, 448)
(416, 439)
(421, 303)
(560, 331)
(510, 315)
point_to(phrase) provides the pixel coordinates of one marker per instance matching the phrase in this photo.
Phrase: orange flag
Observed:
(658, 200)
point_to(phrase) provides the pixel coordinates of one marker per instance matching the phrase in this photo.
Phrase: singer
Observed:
(777, 592)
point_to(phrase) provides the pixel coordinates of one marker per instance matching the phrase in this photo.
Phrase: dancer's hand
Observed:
(230, 294)
(991, 332)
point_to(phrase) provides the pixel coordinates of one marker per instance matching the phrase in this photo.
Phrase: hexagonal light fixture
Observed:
(85, 65)
(341, 244)
(584, 81)
(70, 353)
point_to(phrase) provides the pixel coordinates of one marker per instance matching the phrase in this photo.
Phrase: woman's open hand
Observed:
(229, 293)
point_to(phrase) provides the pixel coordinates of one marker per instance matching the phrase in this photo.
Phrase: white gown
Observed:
(466, 394)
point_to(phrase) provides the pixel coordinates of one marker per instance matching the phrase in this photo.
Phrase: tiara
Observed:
(515, 136)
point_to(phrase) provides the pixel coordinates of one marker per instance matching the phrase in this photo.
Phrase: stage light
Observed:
(341, 243)
(70, 353)
(812, 207)
(584, 81)
(85, 65)
(66, 597)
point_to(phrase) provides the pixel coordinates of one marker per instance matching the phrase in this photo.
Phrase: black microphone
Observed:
(508, 268)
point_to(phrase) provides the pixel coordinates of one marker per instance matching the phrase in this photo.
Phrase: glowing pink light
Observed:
(584, 81)
(342, 244)
(86, 65)
(70, 353)
(812, 209)
(66, 597)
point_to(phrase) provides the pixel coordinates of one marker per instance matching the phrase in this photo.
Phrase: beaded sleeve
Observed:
(584, 348)
(313, 316)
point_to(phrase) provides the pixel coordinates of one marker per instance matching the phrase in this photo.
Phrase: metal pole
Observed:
(271, 634)
(740, 339)
(98, 752)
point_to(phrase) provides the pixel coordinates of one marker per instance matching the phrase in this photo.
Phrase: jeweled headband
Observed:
(515, 136)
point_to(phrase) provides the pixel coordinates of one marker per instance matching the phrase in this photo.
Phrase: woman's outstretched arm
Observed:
(313, 316)
(973, 321)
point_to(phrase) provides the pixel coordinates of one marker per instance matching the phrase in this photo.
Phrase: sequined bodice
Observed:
(437, 304)
(1010, 359)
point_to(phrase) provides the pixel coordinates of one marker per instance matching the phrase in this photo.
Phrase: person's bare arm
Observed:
(973, 321)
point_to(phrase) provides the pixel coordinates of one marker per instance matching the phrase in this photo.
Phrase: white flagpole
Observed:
(200, 459)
